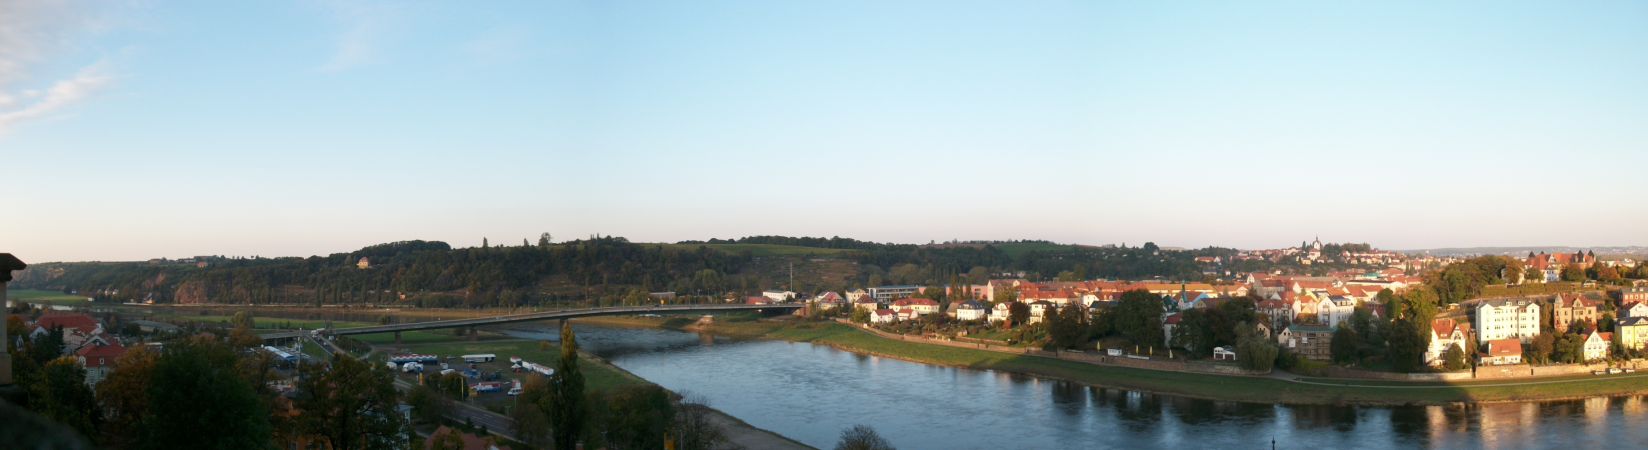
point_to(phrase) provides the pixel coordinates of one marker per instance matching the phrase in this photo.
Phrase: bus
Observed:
(483, 358)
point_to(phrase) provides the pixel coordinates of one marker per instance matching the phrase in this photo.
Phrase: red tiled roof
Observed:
(101, 355)
(84, 323)
(1442, 327)
(1505, 347)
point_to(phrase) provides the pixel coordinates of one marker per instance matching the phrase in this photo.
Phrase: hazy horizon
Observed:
(131, 130)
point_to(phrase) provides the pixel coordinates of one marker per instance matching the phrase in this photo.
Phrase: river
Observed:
(811, 392)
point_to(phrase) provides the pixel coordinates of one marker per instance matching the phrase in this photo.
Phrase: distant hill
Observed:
(1609, 251)
(612, 269)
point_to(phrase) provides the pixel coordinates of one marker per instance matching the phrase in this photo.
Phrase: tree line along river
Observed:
(811, 392)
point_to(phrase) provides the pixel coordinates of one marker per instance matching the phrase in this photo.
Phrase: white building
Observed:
(969, 310)
(883, 316)
(1335, 309)
(778, 296)
(1596, 345)
(1446, 333)
(1506, 319)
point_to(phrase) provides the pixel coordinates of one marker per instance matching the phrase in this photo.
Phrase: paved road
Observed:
(498, 424)
(538, 316)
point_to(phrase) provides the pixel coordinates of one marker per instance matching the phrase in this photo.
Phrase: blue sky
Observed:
(139, 129)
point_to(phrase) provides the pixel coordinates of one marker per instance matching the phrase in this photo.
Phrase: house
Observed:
(1335, 309)
(1446, 333)
(866, 303)
(1633, 309)
(1632, 294)
(77, 328)
(1568, 308)
(470, 441)
(1169, 322)
(883, 316)
(1633, 332)
(778, 296)
(1039, 309)
(364, 263)
(828, 301)
(854, 295)
(889, 293)
(98, 360)
(920, 306)
(1596, 345)
(907, 314)
(1001, 312)
(1277, 310)
(1502, 352)
(1310, 341)
(969, 310)
(1507, 318)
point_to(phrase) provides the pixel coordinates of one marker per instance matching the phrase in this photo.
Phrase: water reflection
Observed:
(809, 393)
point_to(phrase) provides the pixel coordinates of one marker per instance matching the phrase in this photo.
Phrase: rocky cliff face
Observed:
(190, 292)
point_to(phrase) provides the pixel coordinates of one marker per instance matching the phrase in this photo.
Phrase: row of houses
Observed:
(84, 338)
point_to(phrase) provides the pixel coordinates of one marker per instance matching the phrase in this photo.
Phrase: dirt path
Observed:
(747, 436)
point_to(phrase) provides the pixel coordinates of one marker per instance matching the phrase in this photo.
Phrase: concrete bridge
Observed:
(537, 316)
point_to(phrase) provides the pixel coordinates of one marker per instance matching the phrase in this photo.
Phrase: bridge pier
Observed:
(472, 334)
(397, 338)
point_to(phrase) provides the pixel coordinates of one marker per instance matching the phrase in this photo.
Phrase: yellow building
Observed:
(1633, 332)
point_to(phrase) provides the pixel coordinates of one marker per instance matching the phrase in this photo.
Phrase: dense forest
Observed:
(597, 269)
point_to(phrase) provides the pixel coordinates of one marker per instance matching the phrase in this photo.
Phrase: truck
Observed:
(488, 386)
(412, 367)
(515, 389)
(480, 358)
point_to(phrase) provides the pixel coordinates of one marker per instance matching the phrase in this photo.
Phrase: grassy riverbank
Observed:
(1234, 388)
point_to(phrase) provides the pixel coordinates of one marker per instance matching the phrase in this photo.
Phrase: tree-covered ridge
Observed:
(600, 268)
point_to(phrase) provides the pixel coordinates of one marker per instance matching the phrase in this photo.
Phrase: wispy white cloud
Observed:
(34, 35)
(364, 29)
(34, 104)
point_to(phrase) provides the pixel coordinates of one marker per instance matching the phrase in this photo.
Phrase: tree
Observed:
(60, 393)
(1138, 317)
(1572, 272)
(1345, 346)
(124, 395)
(197, 401)
(1454, 358)
(1568, 348)
(1194, 333)
(1608, 275)
(861, 315)
(862, 437)
(1254, 351)
(637, 417)
(1539, 348)
(1406, 345)
(243, 319)
(242, 337)
(428, 406)
(531, 412)
(1605, 323)
(544, 241)
(1068, 326)
(1533, 273)
(695, 430)
(567, 411)
(1018, 313)
(350, 404)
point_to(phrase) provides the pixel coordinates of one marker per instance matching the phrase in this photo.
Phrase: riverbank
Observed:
(599, 374)
(1280, 388)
